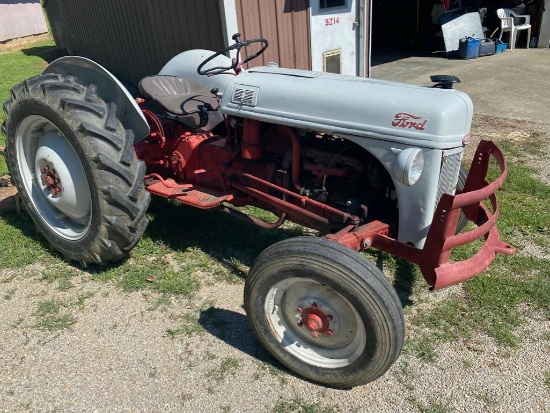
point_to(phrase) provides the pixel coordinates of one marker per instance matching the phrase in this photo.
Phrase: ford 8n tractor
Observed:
(367, 163)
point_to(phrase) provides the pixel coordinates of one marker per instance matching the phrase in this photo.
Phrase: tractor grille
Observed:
(449, 174)
(245, 95)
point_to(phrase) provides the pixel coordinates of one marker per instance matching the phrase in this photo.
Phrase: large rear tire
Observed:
(74, 165)
(324, 311)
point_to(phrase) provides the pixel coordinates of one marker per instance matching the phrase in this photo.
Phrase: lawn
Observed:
(18, 65)
(178, 256)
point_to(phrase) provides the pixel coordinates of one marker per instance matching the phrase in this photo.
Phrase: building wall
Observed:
(20, 19)
(544, 35)
(284, 23)
(135, 38)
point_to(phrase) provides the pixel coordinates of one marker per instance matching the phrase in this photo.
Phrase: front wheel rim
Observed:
(53, 177)
(314, 323)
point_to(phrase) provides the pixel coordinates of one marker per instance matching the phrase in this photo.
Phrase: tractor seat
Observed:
(183, 97)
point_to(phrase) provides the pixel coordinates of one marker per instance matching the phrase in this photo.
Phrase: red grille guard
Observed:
(434, 258)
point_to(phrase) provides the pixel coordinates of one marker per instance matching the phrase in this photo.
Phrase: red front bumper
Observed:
(434, 258)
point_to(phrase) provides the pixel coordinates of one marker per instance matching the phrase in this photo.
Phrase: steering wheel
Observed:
(235, 65)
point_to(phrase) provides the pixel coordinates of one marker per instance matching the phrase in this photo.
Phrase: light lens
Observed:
(408, 165)
(414, 170)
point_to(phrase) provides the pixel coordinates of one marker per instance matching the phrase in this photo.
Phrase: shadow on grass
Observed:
(46, 53)
(404, 278)
(223, 238)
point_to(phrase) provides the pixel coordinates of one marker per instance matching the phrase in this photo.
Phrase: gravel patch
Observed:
(118, 356)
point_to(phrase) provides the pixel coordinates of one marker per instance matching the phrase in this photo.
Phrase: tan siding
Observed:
(135, 38)
(302, 34)
(20, 19)
(284, 23)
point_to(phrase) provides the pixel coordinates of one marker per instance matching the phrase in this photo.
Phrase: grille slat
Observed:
(247, 96)
(449, 175)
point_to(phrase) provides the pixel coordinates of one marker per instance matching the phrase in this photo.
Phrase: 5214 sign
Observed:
(331, 21)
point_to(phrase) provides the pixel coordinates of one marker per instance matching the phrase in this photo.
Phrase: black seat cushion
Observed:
(182, 97)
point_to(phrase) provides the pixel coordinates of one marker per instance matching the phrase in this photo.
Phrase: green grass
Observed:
(435, 408)
(3, 165)
(20, 243)
(49, 317)
(46, 308)
(189, 325)
(17, 66)
(299, 405)
(494, 303)
(228, 367)
(272, 369)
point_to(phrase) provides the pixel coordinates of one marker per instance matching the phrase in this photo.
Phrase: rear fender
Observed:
(109, 89)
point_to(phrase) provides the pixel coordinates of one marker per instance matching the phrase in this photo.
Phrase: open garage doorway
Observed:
(402, 28)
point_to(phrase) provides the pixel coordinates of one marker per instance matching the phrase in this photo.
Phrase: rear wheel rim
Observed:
(47, 161)
(314, 323)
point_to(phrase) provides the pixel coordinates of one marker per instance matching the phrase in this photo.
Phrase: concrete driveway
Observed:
(510, 84)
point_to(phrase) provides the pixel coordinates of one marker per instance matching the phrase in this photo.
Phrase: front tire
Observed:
(324, 311)
(74, 165)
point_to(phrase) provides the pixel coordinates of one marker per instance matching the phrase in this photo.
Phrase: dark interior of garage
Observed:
(410, 27)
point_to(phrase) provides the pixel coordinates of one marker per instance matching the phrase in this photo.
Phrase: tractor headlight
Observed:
(407, 166)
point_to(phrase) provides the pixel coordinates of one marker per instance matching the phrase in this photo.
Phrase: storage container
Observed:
(468, 48)
(486, 47)
(500, 46)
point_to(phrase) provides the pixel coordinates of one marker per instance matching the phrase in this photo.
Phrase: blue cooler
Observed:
(468, 48)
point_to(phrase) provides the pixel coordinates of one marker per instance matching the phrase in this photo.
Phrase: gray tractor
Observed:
(367, 163)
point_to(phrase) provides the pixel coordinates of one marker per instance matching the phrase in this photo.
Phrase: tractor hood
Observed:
(347, 105)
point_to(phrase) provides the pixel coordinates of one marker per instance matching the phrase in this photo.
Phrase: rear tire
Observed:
(324, 311)
(74, 165)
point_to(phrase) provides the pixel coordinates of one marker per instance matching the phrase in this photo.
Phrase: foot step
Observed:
(190, 194)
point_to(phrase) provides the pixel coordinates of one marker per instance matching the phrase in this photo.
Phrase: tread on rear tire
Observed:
(74, 165)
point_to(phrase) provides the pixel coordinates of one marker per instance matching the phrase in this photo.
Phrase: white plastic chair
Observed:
(507, 24)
